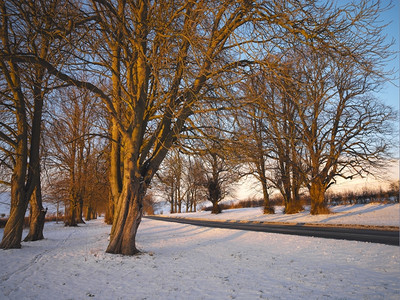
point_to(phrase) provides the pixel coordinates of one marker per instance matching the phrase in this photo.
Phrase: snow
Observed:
(5, 200)
(374, 214)
(181, 261)
(4, 204)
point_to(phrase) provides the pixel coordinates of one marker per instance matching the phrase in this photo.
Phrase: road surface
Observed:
(371, 235)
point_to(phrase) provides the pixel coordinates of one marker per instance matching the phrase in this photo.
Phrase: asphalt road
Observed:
(381, 236)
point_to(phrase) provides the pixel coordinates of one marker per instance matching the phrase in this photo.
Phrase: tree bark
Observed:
(79, 212)
(70, 218)
(293, 203)
(127, 220)
(19, 201)
(13, 230)
(37, 217)
(317, 195)
(216, 209)
(129, 208)
(110, 211)
(267, 205)
(89, 213)
(115, 172)
(214, 193)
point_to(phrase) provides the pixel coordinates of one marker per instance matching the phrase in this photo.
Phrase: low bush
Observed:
(53, 218)
(222, 206)
(363, 197)
(50, 218)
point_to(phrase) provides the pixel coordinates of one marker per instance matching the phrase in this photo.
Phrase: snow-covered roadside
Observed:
(188, 262)
(369, 214)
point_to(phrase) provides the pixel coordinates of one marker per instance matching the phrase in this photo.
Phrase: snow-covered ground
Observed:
(370, 214)
(182, 261)
(188, 262)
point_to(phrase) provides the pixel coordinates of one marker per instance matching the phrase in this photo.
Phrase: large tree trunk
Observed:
(115, 173)
(267, 205)
(129, 208)
(294, 204)
(37, 217)
(116, 169)
(79, 211)
(286, 187)
(12, 235)
(13, 230)
(70, 217)
(180, 206)
(171, 210)
(292, 201)
(110, 211)
(89, 213)
(34, 191)
(317, 195)
(175, 205)
(216, 209)
(127, 218)
(214, 193)
(194, 201)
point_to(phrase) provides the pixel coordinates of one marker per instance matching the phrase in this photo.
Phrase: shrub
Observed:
(364, 197)
(50, 218)
(348, 197)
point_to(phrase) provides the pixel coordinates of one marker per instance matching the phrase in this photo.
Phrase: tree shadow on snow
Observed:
(344, 213)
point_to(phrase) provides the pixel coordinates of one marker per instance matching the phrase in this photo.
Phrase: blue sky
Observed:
(390, 93)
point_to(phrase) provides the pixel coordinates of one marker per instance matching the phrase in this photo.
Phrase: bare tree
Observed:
(73, 148)
(195, 193)
(162, 56)
(219, 169)
(25, 28)
(285, 135)
(345, 128)
(156, 61)
(268, 134)
(252, 137)
(170, 176)
(323, 121)
(181, 181)
(97, 185)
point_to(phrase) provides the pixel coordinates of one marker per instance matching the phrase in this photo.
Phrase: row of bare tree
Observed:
(191, 178)
(291, 78)
(75, 155)
(310, 121)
